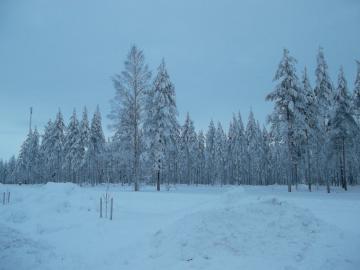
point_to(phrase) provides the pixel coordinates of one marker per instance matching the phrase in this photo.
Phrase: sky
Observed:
(221, 55)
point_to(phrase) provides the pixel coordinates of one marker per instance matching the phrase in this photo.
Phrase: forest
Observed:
(311, 137)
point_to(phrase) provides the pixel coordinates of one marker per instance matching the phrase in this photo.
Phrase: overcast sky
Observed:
(221, 55)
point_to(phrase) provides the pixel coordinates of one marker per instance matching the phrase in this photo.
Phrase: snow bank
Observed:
(60, 188)
(231, 235)
(247, 236)
(57, 226)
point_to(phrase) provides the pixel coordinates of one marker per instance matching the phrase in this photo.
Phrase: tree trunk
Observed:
(158, 181)
(327, 185)
(308, 164)
(344, 164)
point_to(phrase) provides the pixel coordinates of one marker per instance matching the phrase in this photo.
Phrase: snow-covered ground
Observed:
(57, 226)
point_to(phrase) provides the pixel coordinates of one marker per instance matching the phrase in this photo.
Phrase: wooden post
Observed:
(106, 204)
(4, 198)
(100, 207)
(111, 208)
(8, 197)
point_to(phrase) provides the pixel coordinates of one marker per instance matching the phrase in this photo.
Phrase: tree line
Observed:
(312, 137)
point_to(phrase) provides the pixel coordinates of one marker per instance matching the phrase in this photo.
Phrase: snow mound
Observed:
(65, 188)
(238, 236)
(234, 195)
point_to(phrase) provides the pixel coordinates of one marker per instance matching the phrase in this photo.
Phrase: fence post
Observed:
(111, 208)
(106, 205)
(4, 198)
(100, 207)
(8, 197)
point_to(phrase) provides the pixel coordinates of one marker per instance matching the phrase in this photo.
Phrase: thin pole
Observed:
(100, 207)
(31, 111)
(111, 208)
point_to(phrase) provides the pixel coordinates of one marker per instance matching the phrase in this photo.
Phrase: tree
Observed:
(56, 153)
(84, 130)
(311, 125)
(200, 158)
(220, 154)
(188, 145)
(28, 165)
(210, 153)
(45, 150)
(324, 97)
(253, 138)
(356, 94)
(286, 116)
(161, 123)
(128, 105)
(73, 149)
(23, 165)
(343, 125)
(95, 153)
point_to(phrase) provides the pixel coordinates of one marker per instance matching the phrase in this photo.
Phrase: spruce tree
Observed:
(95, 153)
(210, 153)
(343, 126)
(285, 118)
(160, 121)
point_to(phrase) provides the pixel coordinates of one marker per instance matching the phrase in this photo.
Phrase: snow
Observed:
(57, 226)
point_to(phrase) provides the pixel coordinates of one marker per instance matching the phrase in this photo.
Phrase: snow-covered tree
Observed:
(200, 159)
(28, 163)
(188, 145)
(356, 94)
(95, 154)
(128, 106)
(220, 155)
(285, 119)
(210, 153)
(253, 140)
(160, 121)
(56, 151)
(324, 99)
(343, 126)
(84, 129)
(73, 149)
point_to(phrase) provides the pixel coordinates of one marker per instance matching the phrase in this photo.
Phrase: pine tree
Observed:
(73, 149)
(200, 158)
(160, 121)
(324, 97)
(128, 105)
(28, 163)
(253, 136)
(188, 145)
(356, 94)
(311, 126)
(84, 130)
(56, 153)
(95, 153)
(22, 164)
(265, 158)
(343, 126)
(323, 89)
(210, 153)
(220, 154)
(45, 149)
(284, 120)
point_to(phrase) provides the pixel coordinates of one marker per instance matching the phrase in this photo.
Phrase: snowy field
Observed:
(57, 226)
